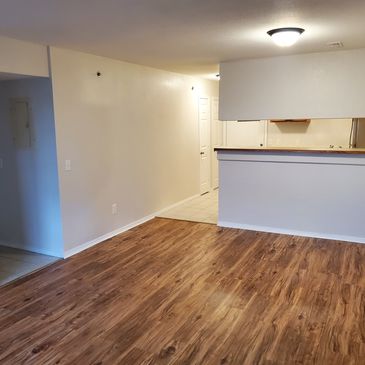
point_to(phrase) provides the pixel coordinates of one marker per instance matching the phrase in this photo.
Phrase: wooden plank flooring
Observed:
(176, 292)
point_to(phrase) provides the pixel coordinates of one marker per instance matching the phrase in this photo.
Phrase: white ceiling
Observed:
(187, 36)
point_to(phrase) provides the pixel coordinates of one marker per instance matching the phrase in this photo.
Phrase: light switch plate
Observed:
(68, 165)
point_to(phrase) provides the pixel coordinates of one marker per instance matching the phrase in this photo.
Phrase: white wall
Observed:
(30, 208)
(247, 134)
(319, 133)
(23, 58)
(317, 85)
(132, 138)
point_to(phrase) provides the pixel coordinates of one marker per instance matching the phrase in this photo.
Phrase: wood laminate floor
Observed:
(176, 292)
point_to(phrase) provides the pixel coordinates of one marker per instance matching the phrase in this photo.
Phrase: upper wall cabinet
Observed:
(317, 85)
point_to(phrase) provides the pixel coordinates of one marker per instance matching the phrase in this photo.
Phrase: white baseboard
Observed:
(86, 245)
(31, 248)
(327, 236)
(176, 205)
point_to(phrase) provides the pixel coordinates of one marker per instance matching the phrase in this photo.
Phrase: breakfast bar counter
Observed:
(306, 192)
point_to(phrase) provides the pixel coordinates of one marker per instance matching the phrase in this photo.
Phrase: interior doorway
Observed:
(30, 216)
(204, 208)
(211, 132)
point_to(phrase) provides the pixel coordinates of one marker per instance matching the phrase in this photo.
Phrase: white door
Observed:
(204, 134)
(217, 140)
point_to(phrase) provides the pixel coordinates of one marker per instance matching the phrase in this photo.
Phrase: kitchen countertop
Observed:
(294, 149)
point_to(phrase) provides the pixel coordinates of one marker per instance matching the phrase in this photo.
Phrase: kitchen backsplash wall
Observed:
(318, 133)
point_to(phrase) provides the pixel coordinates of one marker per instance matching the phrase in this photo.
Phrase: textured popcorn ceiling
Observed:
(187, 36)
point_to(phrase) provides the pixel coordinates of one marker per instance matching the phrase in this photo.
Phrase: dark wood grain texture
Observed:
(290, 120)
(176, 292)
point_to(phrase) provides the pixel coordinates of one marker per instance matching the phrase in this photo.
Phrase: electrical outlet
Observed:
(114, 208)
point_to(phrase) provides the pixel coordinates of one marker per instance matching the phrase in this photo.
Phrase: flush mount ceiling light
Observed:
(285, 37)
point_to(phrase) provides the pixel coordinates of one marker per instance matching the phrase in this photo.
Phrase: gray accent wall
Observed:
(307, 86)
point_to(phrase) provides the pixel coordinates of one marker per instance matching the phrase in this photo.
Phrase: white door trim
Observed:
(204, 146)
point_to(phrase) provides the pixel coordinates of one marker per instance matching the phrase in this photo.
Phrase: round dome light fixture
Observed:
(285, 37)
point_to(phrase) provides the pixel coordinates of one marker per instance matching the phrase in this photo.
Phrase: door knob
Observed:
(202, 153)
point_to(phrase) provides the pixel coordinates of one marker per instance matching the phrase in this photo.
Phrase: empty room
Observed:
(182, 182)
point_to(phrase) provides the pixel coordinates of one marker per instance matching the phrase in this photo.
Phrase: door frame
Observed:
(213, 154)
(209, 141)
